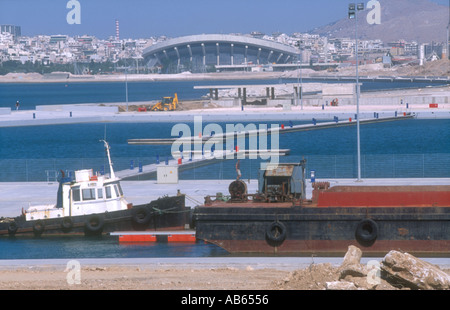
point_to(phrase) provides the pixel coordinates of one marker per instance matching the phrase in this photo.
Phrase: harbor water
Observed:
(30, 95)
(407, 148)
(71, 247)
(400, 149)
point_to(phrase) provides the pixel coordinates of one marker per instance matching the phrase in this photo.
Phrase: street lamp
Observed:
(352, 14)
(299, 79)
(126, 86)
(126, 83)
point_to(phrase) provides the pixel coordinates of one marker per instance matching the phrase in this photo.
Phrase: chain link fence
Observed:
(325, 166)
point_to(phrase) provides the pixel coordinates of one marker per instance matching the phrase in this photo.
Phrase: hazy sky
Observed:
(146, 18)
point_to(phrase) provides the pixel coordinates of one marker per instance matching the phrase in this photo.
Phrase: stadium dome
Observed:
(206, 52)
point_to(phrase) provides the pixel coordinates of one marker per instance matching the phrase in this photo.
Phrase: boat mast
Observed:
(111, 170)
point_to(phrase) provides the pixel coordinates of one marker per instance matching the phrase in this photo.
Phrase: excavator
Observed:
(166, 104)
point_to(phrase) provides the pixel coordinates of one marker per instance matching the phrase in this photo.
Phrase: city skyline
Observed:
(147, 18)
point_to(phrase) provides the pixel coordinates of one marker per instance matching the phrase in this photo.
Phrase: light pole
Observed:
(352, 14)
(126, 86)
(299, 79)
(126, 83)
(448, 26)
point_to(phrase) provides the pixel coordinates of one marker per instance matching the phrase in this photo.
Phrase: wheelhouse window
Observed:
(88, 194)
(108, 192)
(100, 193)
(76, 194)
(120, 189)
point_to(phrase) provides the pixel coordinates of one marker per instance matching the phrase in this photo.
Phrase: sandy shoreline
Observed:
(69, 78)
(176, 274)
(370, 70)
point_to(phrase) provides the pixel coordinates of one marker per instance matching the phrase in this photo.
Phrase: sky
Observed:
(173, 18)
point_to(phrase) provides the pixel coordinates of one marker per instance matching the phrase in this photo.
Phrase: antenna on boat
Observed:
(111, 170)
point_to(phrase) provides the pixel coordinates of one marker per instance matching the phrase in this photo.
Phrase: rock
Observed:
(352, 257)
(340, 285)
(356, 270)
(351, 266)
(405, 270)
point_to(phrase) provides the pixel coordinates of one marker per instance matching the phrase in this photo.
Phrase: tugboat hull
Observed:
(164, 213)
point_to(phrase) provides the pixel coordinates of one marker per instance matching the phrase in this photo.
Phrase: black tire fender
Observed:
(94, 223)
(66, 224)
(141, 215)
(366, 231)
(38, 227)
(276, 232)
(12, 228)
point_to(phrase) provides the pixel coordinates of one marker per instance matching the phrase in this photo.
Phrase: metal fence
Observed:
(325, 166)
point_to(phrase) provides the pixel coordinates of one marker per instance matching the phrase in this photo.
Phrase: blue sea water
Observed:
(31, 95)
(77, 247)
(407, 148)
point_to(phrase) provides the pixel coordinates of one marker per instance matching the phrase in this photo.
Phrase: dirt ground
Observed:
(183, 106)
(118, 277)
(139, 278)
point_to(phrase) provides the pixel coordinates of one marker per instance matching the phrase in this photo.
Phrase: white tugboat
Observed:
(94, 204)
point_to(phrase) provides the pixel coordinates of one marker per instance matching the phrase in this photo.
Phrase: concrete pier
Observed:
(426, 103)
(39, 118)
(17, 195)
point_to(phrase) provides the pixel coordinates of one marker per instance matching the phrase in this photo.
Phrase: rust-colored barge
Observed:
(280, 220)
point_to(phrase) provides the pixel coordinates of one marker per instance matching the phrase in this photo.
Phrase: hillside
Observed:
(411, 20)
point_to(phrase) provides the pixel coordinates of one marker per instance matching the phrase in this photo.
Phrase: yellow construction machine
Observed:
(166, 104)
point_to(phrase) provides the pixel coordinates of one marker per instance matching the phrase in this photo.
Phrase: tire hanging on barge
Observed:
(276, 233)
(366, 232)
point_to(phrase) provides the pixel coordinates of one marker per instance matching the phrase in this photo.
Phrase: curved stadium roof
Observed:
(198, 53)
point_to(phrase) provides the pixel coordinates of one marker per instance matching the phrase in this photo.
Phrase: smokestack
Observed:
(117, 30)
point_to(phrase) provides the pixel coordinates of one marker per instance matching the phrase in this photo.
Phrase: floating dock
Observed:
(284, 128)
(155, 236)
